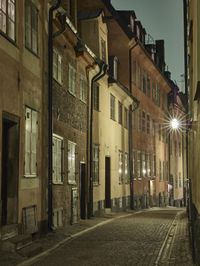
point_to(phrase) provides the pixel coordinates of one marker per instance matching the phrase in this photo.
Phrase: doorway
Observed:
(107, 183)
(10, 169)
(82, 190)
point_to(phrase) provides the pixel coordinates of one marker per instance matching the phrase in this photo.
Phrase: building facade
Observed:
(23, 117)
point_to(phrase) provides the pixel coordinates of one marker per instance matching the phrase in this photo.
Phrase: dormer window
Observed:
(103, 50)
(131, 23)
(138, 32)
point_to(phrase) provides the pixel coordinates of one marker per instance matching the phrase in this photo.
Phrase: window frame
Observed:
(112, 107)
(58, 179)
(120, 113)
(72, 180)
(33, 11)
(83, 88)
(7, 18)
(31, 173)
(57, 66)
(71, 79)
(95, 163)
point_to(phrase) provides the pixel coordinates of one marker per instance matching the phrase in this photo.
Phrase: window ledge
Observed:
(57, 183)
(30, 176)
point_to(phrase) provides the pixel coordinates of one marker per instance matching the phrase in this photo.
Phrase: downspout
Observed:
(50, 116)
(130, 131)
(98, 76)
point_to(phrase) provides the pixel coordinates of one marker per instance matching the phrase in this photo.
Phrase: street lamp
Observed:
(174, 123)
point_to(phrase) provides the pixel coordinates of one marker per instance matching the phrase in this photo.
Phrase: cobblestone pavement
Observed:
(150, 237)
(146, 238)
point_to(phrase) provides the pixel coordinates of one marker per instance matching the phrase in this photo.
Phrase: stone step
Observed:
(9, 231)
(30, 250)
(21, 241)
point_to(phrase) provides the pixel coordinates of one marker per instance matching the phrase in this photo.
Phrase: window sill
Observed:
(71, 93)
(32, 52)
(58, 82)
(96, 184)
(8, 38)
(57, 183)
(71, 182)
(30, 176)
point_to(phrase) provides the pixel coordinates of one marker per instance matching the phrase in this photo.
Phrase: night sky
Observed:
(162, 19)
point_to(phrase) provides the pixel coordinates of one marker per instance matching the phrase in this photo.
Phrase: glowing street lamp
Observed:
(174, 123)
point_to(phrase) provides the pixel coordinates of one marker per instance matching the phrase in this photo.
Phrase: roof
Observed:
(89, 14)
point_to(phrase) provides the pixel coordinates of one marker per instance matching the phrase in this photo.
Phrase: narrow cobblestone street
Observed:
(154, 237)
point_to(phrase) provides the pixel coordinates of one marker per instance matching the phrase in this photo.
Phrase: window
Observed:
(148, 166)
(96, 164)
(154, 92)
(125, 117)
(31, 26)
(120, 166)
(31, 129)
(71, 162)
(103, 50)
(176, 182)
(148, 124)
(148, 86)
(143, 121)
(83, 89)
(138, 164)
(179, 178)
(126, 168)
(57, 217)
(160, 170)
(7, 18)
(144, 82)
(134, 164)
(140, 120)
(58, 159)
(154, 165)
(112, 107)
(120, 113)
(115, 68)
(179, 149)
(57, 66)
(143, 163)
(96, 96)
(134, 66)
(72, 79)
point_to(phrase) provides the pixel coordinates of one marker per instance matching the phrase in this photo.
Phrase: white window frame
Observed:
(31, 134)
(58, 159)
(83, 89)
(57, 66)
(71, 162)
(71, 79)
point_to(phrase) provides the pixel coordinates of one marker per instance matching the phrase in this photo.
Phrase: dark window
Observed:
(103, 50)
(96, 163)
(143, 121)
(148, 86)
(112, 107)
(7, 18)
(96, 96)
(148, 124)
(125, 117)
(120, 113)
(31, 26)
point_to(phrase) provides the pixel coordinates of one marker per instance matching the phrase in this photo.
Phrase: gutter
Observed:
(50, 112)
(102, 71)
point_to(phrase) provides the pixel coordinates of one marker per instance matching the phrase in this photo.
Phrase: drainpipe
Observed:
(130, 131)
(50, 126)
(98, 76)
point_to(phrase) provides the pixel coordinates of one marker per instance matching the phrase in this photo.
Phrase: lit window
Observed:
(72, 79)
(7, 18)
(71, 162)
(126, 168)
(96, 164)
(120, 167)
(57, 66)
(31, 26)
(31, 130)
(58, 159)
